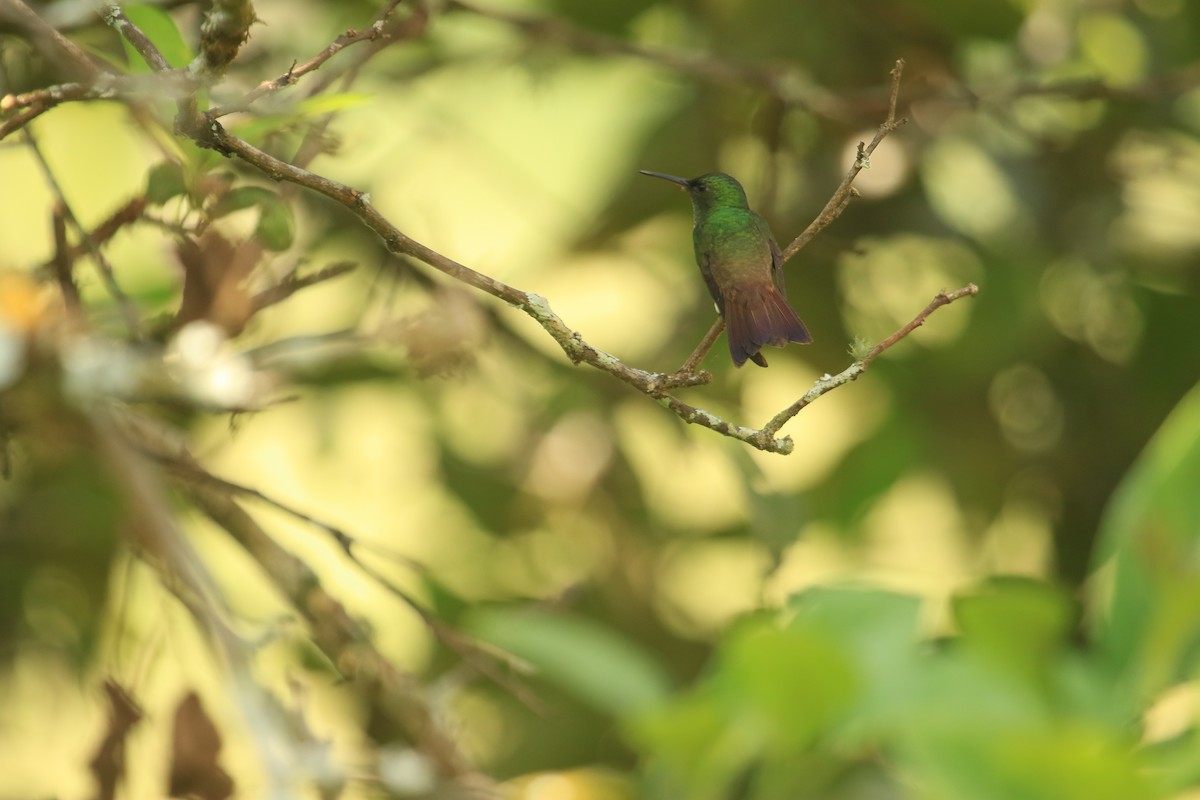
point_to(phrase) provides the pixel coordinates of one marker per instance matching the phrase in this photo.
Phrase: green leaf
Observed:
(242, 198)
(693, 746)
(1148, 594)
(276, 229)
(1068, 762)
(880, 630)
(159, 29)
(786, 684)
(594, 663)
(329, 103)
(1015, 623)
(164, 182)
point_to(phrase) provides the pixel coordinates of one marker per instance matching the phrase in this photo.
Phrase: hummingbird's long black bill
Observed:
(684, 182)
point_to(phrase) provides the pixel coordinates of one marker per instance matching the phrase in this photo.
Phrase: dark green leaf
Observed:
(164, 182)
(276, 229)
(243, 197)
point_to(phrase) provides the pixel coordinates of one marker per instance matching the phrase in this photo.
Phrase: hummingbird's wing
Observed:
(776, 256)
(704, 261)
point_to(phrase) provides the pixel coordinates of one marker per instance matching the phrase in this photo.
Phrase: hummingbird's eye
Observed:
(702, 188)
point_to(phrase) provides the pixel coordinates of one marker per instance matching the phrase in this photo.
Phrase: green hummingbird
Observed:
(742, 266)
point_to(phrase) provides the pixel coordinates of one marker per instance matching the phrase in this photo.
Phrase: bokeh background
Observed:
(643, 573)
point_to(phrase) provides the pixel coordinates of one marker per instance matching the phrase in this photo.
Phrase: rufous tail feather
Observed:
(758, 316)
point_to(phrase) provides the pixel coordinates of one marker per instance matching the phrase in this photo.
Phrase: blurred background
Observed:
(612, 603)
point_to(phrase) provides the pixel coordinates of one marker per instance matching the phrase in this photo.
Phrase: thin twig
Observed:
(115, 18)
(128, 310)
(943, 298)
(294, 283)
(127, 214)
(297, 71)
(62, 262)
(828, 383)
(693, 361)
(183, 466)
(843, 194)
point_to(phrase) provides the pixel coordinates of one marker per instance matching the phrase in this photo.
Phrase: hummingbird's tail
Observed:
(757, 316)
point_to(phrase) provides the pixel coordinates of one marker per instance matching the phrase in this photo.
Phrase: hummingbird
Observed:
(742, 267)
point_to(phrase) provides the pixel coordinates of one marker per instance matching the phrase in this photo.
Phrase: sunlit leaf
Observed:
(1014, 623)
(160, 28)
(785, 684)
(1149, 596)
(595, 663)
(329, 103)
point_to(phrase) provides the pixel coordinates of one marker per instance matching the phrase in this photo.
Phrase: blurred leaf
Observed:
(58, 535)
(880, 629)
(243, 197)
(161, 30)
(276, 229)
(595, 663)
(1068, 763)
(1148, 602)
(1015, 623)
(108, 764)
(612, 16)
(785, 685)
(445, 604)
(164, 182)
(694, 752)
(195, 746)
(334, 101)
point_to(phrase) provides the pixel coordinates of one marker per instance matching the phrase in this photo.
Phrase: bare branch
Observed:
(115, 18)
(693, 361)
(62, 262)
(828, 383)
(294, 283)
(128, 310)
(184, 468)
(843, 194)
(376, 31)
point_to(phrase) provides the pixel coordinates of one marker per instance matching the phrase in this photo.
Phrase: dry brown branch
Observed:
(348, 644)
(128, 310)
(377, 30)
(828, 383)
(294, 283)
(185, 468)
(115, 18)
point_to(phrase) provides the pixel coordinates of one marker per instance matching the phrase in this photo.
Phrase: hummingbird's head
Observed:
(714, 190)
